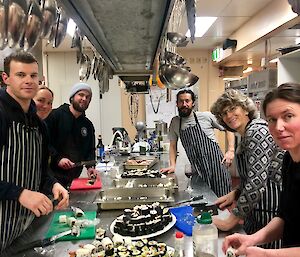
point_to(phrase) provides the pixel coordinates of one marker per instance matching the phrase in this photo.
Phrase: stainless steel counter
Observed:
(84, 200)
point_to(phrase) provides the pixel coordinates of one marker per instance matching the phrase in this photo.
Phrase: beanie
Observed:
(78, 87)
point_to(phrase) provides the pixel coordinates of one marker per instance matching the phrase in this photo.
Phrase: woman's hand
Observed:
(226, 201)
(226, 224)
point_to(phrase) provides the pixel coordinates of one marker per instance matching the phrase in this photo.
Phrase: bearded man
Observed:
(196, 132)
(72, 135)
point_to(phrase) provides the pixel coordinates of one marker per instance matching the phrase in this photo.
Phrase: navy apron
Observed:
(205, 157)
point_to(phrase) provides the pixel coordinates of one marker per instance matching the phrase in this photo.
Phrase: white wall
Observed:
(61, 71)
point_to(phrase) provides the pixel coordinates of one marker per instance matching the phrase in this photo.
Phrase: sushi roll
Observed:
(90, 247)
(127, 241)
(139, 244)
(135, 252)
(77, 212)
(107, 243)
(98, 245)
(99, 254)
(71, 221)
(75, 231)
(122, 248)
(62, 219)
(100, 233)
(117, 240)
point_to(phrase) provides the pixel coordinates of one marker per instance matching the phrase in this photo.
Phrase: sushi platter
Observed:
(121, 198)
(140, 162)
(143, 221)
(163, 182)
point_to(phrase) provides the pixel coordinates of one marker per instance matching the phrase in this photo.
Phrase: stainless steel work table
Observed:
(84, 200)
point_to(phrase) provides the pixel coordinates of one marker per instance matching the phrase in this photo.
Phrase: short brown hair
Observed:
(287, 91)
(21, 56)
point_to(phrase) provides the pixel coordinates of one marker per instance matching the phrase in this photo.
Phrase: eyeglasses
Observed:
(227, 110)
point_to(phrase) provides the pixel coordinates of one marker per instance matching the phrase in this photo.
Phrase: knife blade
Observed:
(192, 199)
(41, 242)
(85, 163)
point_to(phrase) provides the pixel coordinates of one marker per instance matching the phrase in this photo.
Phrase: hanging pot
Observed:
(49, 12)
(59, 30)
(17, 10)
(33, 26)
(3, 24)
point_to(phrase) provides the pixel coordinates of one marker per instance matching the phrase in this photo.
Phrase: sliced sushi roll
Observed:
(135, 252)
(107, 243)
(81, 252)
(71, 221)
(152, 243)
(75, 231)
(139, 244)
(90, 247)
(99, 254)
(122, 248)
(98, 245)
(124, 254)
(77, 212)
(100, 233)
(117, 240)
(62, 219)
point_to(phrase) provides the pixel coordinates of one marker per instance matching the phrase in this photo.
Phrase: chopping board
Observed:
(85, 233)
(82, 183)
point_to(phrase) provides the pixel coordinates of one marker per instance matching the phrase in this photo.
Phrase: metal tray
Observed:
(152, 160)
(169, 183)
(121, 198)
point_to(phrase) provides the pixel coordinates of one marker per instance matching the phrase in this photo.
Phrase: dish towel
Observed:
(184, 219)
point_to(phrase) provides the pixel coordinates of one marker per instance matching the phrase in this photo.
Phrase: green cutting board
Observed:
(85, 233)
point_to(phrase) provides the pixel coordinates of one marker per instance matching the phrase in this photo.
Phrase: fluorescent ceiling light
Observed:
(71, 27)
(202, 25)
(297, 40)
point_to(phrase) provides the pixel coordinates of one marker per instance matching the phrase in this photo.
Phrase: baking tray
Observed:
(151, 160)
(121, 198)
(169, 183)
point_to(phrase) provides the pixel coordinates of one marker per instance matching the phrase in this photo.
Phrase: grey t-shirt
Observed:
(207, 121)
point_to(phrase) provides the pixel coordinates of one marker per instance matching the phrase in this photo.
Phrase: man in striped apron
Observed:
(23, 152)
(196, 132)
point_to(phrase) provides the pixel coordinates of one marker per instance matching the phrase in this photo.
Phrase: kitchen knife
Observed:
(192, 199)
(41, 242)
(85, 163)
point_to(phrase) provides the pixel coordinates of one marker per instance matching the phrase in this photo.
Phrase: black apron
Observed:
(20, 164)
(205, 157)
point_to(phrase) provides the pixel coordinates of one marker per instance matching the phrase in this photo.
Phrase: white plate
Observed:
(157, 233)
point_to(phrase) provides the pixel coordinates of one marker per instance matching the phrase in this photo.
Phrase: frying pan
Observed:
(49, 17)
(17, 10)
(33, 26)
(3, 27)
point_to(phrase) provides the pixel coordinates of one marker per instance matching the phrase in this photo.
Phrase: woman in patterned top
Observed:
(258, 159)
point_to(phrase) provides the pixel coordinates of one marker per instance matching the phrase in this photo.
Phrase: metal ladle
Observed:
(176, 38)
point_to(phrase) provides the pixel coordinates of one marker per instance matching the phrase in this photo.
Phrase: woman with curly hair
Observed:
(258, 161)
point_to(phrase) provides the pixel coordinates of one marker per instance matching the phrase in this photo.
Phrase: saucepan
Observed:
(174, 59)
(176, 38)
(33, 26)
(17, 10)
(85, 67)
(3, 30)
(175, 77)
(49, 8)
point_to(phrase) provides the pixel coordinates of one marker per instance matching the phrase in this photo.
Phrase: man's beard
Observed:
(78, 108)
(184, 112)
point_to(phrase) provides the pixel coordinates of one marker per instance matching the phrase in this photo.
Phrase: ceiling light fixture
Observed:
(202, 25)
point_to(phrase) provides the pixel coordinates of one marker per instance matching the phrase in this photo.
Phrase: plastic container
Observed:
(205, 237)
(179, 244)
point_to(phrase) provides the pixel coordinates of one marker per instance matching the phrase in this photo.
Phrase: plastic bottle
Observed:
(100, 148)
(179, 244)
(205, 237)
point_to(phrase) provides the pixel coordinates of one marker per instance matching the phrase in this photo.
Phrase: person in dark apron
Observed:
(259, 162)
(25, 183)
(72, 136)
(198, 139)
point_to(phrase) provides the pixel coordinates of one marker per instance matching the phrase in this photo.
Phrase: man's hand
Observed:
(92, 173)
(228, 158)
(37, 202)
(66, 164)
(170, 169)
(60, 194)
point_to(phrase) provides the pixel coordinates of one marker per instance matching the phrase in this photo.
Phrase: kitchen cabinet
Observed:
(288, 67)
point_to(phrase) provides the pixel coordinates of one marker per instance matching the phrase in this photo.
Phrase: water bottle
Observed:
(179, 244)
(205, 237)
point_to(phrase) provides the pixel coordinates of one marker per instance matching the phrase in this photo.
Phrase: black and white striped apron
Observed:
(266, 209)
(20, 164)
(205, 157)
